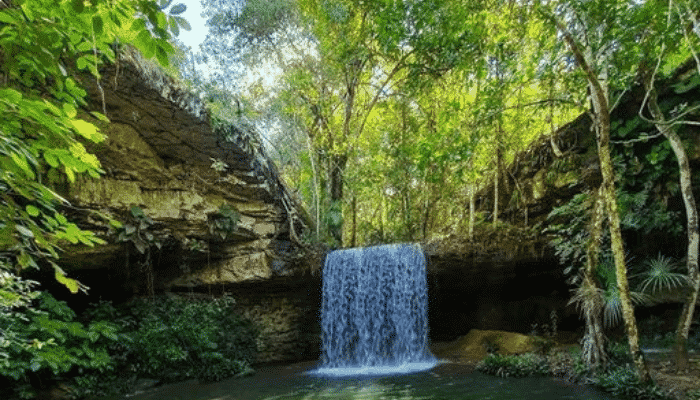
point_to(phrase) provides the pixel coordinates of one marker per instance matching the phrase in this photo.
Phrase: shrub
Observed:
(43, 342)
(623, 381)
(173, 339)
(618, 353)
(514, 365)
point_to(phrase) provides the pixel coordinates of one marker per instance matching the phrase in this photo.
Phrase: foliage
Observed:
(225, 221)
(569, 228)
(44, 341)
(659, 275)
(612, 308)
(623, 381)
(173, 339)
(135, 231)
(514, 365)
(44, 46)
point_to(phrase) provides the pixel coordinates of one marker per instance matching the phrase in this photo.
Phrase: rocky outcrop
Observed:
(199, 203)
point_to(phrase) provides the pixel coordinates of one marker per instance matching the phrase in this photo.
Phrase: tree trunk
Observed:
(317, 193)
(337, 168)
(353, 240)
(593, 341)
(602, 123)
(472, 209)
(686, 319)
(496, 180)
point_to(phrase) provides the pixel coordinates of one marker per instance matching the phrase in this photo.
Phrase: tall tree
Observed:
(661, 39)
(594, 32)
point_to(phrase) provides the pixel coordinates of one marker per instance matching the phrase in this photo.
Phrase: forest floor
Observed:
(663, 372)
(681, 386)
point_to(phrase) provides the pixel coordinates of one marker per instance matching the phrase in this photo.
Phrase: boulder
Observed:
(476, 344)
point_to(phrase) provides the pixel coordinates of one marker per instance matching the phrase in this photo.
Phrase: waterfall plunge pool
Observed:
(445, 381)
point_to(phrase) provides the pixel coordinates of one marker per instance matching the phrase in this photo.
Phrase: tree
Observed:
(660, 40)
(593, 50)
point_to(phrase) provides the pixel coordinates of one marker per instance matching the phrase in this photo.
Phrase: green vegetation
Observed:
(514, 365)
(173, 339)
(162, 339)
(619, 378)
(44, 342)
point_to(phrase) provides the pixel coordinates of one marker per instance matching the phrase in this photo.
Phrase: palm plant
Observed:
(612, 306)
(660, 277)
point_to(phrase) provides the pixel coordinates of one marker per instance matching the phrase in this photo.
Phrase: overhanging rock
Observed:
(165, 157)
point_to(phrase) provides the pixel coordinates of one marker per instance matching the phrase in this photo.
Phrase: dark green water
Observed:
(444, 382)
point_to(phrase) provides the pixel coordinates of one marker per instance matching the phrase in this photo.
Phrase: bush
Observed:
(623, 381)
(618, 353)
(42, 342)
(172, 339)
(514, 365)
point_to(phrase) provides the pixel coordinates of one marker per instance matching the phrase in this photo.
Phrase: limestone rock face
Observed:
(163, 155)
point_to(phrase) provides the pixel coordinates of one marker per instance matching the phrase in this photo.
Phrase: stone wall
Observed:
(287, 314)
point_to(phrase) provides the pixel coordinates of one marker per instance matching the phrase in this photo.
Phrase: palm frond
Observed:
(660, 276)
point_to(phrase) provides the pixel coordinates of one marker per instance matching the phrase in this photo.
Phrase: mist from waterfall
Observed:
(374, 313)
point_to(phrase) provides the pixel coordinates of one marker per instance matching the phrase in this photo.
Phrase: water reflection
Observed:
(371, 391)
(444, 382)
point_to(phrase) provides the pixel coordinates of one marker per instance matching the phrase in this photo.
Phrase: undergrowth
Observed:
(164, 339)
(619, 378)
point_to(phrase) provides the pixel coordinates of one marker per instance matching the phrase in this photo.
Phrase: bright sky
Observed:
(199, 30)
(266, 73)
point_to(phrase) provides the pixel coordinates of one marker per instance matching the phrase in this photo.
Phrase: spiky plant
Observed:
(660, 276)
(612, 306)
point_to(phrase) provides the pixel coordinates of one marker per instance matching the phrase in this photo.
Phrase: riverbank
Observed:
(680, 386)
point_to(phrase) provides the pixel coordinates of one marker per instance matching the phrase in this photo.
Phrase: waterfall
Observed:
(374, 311)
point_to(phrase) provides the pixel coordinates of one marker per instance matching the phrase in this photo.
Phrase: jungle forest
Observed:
(389, 121)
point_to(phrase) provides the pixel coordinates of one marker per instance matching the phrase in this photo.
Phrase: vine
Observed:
(135, 231)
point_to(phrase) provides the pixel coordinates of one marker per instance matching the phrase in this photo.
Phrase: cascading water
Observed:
(374, 312)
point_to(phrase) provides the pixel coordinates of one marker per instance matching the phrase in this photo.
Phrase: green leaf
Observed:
(82, 62)
(69, 109)
(161, 21)
(78, 6)
(21, 162)
(163, 4)
(69, 283)
(99, 116)
(161, 56)
(31, 210)
(7, 18)
(51, 159)
(85, 46)
(173, 26)
(28, 12)
(138, 26)
(60, 218)
(24, 231)
(11, 95)
(87, 130)
(25, 260)
(97, 25)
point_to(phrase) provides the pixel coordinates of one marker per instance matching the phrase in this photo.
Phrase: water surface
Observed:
(444, 382)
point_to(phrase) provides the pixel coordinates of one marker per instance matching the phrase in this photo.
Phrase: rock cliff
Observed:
(200, 203)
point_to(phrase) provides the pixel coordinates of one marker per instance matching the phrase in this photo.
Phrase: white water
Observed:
(374, 312)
